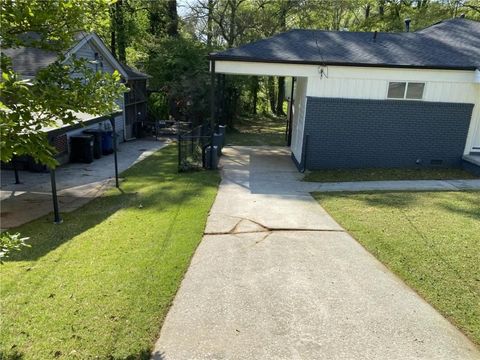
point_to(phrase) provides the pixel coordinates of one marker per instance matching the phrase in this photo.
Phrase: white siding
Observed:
(299, 107)
(473, 139)
(88, 50)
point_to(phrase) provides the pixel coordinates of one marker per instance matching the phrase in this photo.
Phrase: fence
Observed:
(191, 147)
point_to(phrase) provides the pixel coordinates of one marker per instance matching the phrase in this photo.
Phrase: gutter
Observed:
(216, 57)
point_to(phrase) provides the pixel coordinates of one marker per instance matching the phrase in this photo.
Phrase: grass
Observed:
(100, 284)
(429, 239)
(339, 175)
(258, 130)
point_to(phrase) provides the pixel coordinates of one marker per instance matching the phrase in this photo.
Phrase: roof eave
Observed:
(215, 57)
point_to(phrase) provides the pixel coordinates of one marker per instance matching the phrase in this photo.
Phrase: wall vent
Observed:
(436, 162)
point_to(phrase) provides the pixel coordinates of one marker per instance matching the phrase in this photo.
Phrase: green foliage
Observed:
(55, 22)
(29, 106)
(50, 100)
(9, 243)
(179, 68)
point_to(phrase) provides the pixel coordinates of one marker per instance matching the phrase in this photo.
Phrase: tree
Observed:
(59, 90)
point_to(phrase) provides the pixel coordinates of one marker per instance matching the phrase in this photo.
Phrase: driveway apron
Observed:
(275, 277)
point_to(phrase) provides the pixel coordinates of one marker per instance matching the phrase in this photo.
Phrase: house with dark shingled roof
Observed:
(374, 99)
(27, 61)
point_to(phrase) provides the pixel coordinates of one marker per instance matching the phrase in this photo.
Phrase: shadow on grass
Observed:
(472, 210)
(11, 356)
(154, 191)
(462, 203)
(114, 285)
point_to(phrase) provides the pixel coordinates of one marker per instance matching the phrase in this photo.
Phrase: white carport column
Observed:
(212, 108)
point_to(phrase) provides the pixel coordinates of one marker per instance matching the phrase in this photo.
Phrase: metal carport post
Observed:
(112, 121)
(53, 181)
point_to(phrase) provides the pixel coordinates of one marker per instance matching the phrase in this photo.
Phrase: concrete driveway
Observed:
(275, 277)
(76, 184)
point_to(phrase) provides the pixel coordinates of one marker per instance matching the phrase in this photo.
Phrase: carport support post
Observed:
(112, 121)
(212, 108)
(15, 171)
(56, 212)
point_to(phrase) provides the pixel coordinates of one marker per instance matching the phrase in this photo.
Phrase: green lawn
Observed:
(430, 239)
(100, 284)
(258, 130)
(338, 175)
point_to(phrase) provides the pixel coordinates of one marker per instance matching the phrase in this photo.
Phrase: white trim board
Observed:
(342, 72)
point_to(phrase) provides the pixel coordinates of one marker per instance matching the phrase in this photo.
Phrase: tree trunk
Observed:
(211, 8)
(255, 88)
(113, 45)
(367, 11)
(231, 30)
(271, 93)
(120, 30)
(280, 96)
(381, 7)
(172, 25)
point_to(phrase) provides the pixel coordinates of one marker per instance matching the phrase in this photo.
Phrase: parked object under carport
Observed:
(81, 148)
(97, 141)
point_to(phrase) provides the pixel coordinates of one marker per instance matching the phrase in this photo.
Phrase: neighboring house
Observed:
(27, 61)
(368, 99)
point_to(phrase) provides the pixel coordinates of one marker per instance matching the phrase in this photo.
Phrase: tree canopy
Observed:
(58, 91)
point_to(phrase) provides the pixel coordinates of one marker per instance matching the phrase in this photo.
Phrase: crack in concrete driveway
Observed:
(310, 291)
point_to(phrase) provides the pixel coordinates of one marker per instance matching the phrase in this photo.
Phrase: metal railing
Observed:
(191, 147)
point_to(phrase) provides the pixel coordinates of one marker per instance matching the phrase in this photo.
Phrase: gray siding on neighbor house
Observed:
(357, 133)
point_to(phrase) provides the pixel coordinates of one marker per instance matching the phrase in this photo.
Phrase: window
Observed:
(396, 90)
(405, 90)
(415, 91)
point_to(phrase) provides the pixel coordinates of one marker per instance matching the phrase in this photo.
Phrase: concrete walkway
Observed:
(77, 184)
(275, 277)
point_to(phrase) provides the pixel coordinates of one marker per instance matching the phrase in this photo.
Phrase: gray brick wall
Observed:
(356, 133)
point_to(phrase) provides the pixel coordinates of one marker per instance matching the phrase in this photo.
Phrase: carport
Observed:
(54, 132)
(296, 90)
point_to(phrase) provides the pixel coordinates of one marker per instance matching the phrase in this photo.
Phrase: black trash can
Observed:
(81, 148)
(97, 141)
(218, 140)
(210, 158)
(222, 129)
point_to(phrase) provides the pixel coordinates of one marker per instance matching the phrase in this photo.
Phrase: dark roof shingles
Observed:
(449, 44)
